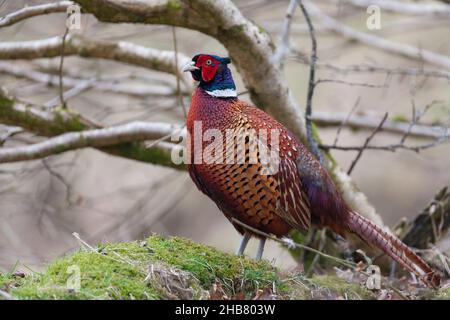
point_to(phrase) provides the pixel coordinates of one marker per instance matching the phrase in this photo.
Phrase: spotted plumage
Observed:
(298, 194)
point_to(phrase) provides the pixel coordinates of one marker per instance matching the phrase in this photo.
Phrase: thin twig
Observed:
(366, 143)
(10, 132)
(369, 121)
(311, 85)
(61, 63)
(84, 243)
(323, 240)
(120, 258)
(343, 123)
(81, 87)
(392, 147)
(61, 179)
(350, 83)
(368, 68)
(5, 295)
(290, 242)
(175, 47)
(403, 7)
(442, 138)
(284, 47)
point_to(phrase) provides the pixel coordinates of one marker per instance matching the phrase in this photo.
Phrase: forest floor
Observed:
(176, 268)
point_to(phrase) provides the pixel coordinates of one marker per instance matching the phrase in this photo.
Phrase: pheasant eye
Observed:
(208, 62)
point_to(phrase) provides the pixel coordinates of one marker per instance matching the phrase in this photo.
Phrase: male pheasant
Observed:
(299, 193)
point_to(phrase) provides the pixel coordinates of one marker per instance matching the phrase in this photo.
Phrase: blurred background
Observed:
(109, 199)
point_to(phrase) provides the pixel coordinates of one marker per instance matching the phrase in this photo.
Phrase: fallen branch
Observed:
(432, 224)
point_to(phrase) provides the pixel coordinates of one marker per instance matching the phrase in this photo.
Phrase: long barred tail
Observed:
(394, 247)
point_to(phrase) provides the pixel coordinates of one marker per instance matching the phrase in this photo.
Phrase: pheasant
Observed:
(300, 193)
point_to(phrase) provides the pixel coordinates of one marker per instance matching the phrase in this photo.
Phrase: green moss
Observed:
(174, 5)
(121, 271)
(63, 121)
(5, 280)
(325, 287)
(443, 294)
(207, 264)
(102, 276)
(235, 31)
(168, 268)
(342, 287)
(327, 154)
(399, 117)
(138, 151)
(5, 103)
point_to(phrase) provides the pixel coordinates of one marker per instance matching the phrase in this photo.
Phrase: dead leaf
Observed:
(264, 294)
(217, 292)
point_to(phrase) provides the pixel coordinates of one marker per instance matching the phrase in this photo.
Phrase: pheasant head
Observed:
(213, 75)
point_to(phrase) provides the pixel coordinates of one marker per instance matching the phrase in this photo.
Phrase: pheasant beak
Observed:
(190, 66)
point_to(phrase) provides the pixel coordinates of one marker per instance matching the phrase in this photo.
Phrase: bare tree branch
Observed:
(175, 48)
(29, 12)
(432, 9)
(80, 85)
(49, 123)
(130, 132)
(368, 121)
(60, 69)
(121, 51)
(364, 68)
(442, 139)
(392, 147)
(416, 116)
(377, 42)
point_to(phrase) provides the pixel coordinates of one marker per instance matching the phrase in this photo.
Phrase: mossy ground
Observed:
(169, 268)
